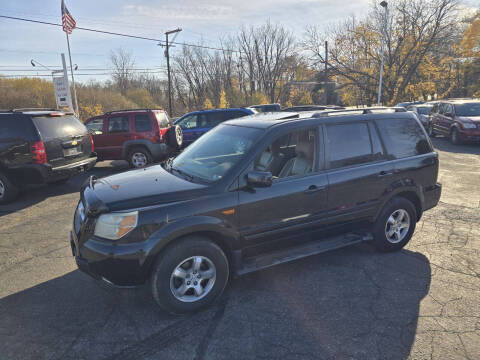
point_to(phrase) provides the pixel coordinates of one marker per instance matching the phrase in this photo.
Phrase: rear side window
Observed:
(349, 144)
(16, 127)
(143, 123)
(403, 138)
(52, 127)
(118, 124)
(218, 117)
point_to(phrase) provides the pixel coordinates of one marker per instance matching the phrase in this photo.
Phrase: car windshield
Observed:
(424, 110)
(468, 109)
(211, 157)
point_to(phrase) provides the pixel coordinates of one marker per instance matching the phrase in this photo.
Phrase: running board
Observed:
(294, 253)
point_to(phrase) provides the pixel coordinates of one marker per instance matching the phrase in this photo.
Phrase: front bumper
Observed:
(432, 196)
(469, 135)
(122, 265)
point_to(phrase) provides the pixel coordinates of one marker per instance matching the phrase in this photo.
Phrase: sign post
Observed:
(61, 87)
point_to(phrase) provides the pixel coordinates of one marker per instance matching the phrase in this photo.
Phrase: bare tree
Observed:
(123, 63)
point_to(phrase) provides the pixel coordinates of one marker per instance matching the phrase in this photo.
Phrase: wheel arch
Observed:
(129, 145)
(411, 195)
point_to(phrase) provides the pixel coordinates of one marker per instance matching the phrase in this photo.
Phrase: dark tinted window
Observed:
(95, 126)
(403, 137)
(468, 109)
(59, 126)
(16, 127)
(215, 118)
(143, 123)
(424, 110)
(118, 124)
(349, 144)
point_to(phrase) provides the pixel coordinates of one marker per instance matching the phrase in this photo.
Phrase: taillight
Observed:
(39, 156)
(161, 133)
(91, 142)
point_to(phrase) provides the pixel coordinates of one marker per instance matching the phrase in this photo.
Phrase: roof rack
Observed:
(124, 110)
(34, 109)
(361, 111)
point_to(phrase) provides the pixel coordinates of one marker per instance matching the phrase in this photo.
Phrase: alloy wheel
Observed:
(179, 135)
(397, 226)
(193, 279)
(139, 160)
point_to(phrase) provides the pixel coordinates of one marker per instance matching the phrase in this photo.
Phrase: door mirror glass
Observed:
(259, 178)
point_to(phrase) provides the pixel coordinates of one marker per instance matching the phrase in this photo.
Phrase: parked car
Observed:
(266, 107)
(251, 194)
(408, 103)
(39, 146)
(140, 136)
(422, 112)
(457, 119)
(197, 123)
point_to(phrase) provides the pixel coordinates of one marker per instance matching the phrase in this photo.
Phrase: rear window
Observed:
(403, 138)
(59, 126)
(143, 123)
(118, 124)
(162, 120)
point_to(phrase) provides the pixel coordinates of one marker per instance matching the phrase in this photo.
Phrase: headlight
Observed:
(115, 225)
(468, 126)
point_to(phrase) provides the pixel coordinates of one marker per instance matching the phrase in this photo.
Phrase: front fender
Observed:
(189, 226)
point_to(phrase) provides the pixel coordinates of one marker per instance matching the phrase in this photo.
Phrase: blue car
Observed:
(197, 123)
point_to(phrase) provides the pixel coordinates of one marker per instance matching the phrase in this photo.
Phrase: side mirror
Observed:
(259, 178)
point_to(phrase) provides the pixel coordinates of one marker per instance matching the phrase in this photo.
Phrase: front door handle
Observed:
(314, 188)
(385, 173)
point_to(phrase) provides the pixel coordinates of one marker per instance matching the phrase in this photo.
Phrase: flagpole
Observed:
(73, 79)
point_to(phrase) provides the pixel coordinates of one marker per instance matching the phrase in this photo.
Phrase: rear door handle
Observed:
(313, 188)
(385, 173)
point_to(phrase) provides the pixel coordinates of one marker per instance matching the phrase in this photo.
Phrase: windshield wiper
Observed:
(183, 173)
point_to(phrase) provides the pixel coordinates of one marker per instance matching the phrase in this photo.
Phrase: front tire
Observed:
(454, 137)
(395, 225)
(189, 275)
(8, 191)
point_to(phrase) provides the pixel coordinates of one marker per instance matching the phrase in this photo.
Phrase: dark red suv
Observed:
(139, 136)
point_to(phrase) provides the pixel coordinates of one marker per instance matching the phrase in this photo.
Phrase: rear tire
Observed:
(454, 138)
(189, 275)
(8, 191)
(395, 225)
(139, 157)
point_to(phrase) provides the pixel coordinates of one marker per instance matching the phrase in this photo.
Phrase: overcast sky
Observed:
(204, 21)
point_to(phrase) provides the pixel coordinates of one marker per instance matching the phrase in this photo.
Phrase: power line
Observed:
(119, 34)
(80, 74)
(89, 69)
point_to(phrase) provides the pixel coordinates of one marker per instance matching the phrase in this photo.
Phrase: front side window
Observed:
(292, 154)
(403, 138)
(95, 126)
(350, 144)
(468, 109)
(143, 123)
(188, 122)
(214, 154)
(118, 124)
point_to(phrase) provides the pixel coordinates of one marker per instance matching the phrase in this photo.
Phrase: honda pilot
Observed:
(254, 193)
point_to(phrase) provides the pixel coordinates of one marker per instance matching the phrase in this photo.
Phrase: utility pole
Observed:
(383, 4)
(167, 55)
(326, 73)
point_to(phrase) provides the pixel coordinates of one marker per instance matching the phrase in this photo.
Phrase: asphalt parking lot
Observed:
(420, 303)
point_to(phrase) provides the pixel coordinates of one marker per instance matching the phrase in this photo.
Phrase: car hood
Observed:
(138, 188)
(475, 119)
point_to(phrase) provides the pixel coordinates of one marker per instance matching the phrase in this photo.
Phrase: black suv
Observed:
(255, 193)
(41, 146)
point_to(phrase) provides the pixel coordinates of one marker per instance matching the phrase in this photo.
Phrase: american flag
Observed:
(68, 22)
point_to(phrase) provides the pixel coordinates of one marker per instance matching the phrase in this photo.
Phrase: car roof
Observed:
(460, 101)
(267, 122)
(217, 110)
